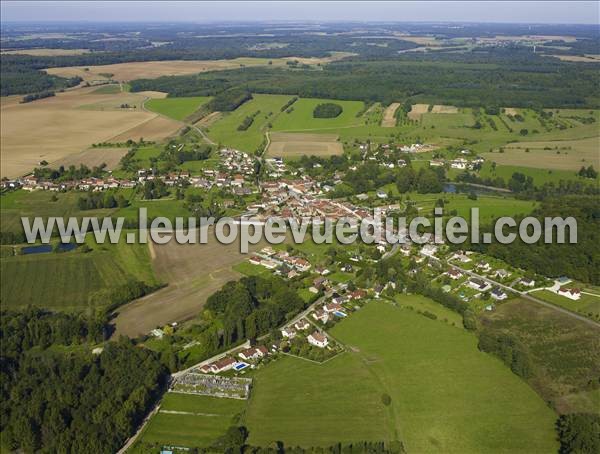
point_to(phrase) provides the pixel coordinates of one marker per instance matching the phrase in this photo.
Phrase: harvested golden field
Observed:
(193, 272)
(93, 157)
(556, 154)
(46, 52)
(579, 58)
(389, 115)
(511, 111)
(55, 128)
(153, 94)
(153, 69)
(420, 40)
(291, 145)
(441, 109)
(155, 129)
(417, 110)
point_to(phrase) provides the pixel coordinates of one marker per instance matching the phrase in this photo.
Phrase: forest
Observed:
(59, 397)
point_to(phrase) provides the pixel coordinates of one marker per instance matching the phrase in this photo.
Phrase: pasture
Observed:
(188, 420)
(292, 145)
(556, 155)
(225, 129)
(176, 108)
(300, 118)
(565, 352)
(446, 395)
(588, 305)
(54, 128)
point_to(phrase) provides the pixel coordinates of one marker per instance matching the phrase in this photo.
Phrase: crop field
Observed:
(441, 109)
(290, 145)
(445, 394)
(54, 128)
(154, 129)
(93, 157)
(559, 154)
(65, 281)
(417, 110)
(176, 108)
(46, 52)
(153, 69)
(389, 115)
(193, 272)
(225, 129)
(540, 176)
(188, 420)
(301, 116)
(565, 352)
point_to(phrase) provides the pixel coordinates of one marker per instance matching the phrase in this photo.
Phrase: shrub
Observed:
(327, 110)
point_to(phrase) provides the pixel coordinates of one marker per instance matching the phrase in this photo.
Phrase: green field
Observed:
(199, 422)
(64, 281)
(301, 118)
(446, 395)
(110, 89)
(176, 108)
(587, 305)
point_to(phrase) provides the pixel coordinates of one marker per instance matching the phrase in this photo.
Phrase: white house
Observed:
(527, 282)
(429, 250)
(318, 340)
(290, 333)
(478, 284)
(454, 274)
(301, 325)
(253, 353)
(499, 294)
(571, 293)
(484, 266)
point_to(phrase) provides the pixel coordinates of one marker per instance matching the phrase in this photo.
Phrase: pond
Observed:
(43, 248)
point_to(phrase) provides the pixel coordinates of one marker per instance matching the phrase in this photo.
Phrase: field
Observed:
(446, 395)
(417, 110)
(290, 145)
(564, 351)
(559, 155)
(441, 109)
(93, 157)
(176, 108)
(301, 117)
(192, 272)
(152, 69)
(389, 115)
(65, 281)
(46, 52)
(55, 128)
(224, 130)
(588, 305)
(188, 420)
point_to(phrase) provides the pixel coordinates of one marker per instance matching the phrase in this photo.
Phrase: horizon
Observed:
(492, 12)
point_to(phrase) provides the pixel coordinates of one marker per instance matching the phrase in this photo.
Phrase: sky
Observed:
(562, 12)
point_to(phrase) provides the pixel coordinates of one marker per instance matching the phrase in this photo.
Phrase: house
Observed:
(288, 332)
(571, 293)
(460, 164)
(501, 273)
(461, 257)
(381, 194)
(484, 266)
(479, 284)
(320, 315)
(301, 325)
(221, 365)
(253, 353)
(527, 282)
(254, 260)
(454, 274)
(429, 250)
(357, 294)
(498, 294)
(158, 333)
(378, 289)
(318, 340)
(332, 307)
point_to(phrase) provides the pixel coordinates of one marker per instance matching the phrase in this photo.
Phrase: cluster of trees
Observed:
(36, 96)
(97, 200)
(588, 172)
(579, 259)
(508, 349)
(327, 110)
(118, 295)
(68, 400)
(579, 433)
(155, 189)
(253, 306)
(247, 122)
(229, 100)
(288, 104)
(70, 173)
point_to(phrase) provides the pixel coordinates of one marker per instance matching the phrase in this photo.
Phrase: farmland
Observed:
(389, 115)
(300, 118)
(587, 304)
(188, 420)
(66, 124)
(93, 157)
(293, 145)
(176, 108)
(426, 366)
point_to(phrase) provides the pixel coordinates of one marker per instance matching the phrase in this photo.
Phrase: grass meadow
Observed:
(188, 420)
(301, 116)
(446, 395)
(176, 108)
(588, 305)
